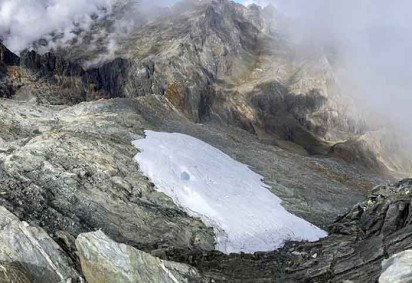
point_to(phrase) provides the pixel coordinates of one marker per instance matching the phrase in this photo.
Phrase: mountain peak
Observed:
(7, 57)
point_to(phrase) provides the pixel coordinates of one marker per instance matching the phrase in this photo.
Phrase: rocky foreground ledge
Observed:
(358, 243)
(356, 249)
(28, 254)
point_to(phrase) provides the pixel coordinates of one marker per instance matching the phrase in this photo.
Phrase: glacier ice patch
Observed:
(223, 192)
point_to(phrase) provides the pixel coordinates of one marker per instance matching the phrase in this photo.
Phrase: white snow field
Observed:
(223, 192)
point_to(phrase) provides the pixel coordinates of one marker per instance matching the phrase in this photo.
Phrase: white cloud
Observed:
(24, 21)
(373, 39)
(262, 3)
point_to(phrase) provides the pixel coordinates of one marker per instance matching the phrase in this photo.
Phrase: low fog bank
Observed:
(371, 42)
(46, 25)
(24, 21)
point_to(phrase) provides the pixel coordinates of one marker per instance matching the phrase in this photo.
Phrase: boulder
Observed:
(397, 269)
(28, 254)
(104, 260)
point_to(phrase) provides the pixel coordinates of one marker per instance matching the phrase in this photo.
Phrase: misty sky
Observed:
(374, 42)
(374, 38)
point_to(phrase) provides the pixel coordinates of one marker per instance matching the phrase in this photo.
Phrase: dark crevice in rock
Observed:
(49, 65)
(109, 79)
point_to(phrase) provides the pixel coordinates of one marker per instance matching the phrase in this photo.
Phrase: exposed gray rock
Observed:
(14, 273)
(28, 254)
(74, 172)
(104, 260)
(397, 269)
(50, 65)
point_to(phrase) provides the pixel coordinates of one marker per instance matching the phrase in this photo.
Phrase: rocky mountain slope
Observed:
(216, 71)
(218, 61)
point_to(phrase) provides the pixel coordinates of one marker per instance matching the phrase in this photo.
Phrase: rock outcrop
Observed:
(358, 243)
(355, 250)
(49, 65)
(397, 269)
(66, 170)
(104, 260)
(361, 239)
(28, 254)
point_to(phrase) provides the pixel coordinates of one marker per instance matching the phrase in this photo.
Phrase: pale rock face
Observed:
(28, 252)
(3, 146)
(397, 269)
(223, 192)
(104, 260)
